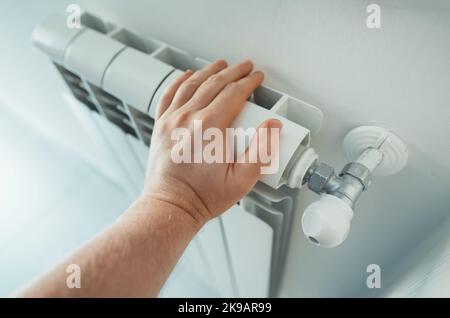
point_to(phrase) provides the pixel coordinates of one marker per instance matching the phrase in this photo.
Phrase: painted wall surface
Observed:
(28, 83)
(425, 272)
(322, 52)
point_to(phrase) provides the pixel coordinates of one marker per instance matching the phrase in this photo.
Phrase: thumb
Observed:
(263, 149)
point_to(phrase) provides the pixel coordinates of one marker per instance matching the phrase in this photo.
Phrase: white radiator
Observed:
(99, 62)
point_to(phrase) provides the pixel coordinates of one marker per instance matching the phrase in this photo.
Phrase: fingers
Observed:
(189, 87)
(262, 151)
(231, 100)
(217, 82)
(170, 92)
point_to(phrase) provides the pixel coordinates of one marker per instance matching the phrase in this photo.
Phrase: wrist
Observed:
(157, 201)
(147, 210)
(179, 196)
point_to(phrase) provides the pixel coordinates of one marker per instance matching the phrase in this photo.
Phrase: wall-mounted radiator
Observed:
(118, 76)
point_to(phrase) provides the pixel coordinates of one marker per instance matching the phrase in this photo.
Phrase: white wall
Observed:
(29, 85)
(425, 272)
(319, 51)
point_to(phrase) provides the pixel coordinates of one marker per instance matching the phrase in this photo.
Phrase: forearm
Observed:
(133, 257)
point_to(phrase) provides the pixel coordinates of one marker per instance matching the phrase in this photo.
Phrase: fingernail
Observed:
(222, 62)
(259, 72)
(275, 123)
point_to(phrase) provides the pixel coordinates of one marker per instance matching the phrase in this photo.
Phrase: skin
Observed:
(134, 256)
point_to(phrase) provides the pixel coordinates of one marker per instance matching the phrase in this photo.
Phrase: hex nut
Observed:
(320, 177)
(358, 171)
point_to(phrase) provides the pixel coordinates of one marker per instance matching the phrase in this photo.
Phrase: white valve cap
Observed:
(326, 222)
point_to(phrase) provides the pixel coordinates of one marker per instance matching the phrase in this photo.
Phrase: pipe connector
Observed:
(373, 150)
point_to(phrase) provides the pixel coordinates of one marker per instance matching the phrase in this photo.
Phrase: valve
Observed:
(372, 151)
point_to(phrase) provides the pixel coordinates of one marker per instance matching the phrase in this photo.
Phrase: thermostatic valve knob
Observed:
(326, 222)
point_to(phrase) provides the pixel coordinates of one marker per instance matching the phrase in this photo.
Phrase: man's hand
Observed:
(136, 254)
(215, 95)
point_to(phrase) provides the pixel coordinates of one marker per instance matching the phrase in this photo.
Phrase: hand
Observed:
(178, 198)
(215, 95)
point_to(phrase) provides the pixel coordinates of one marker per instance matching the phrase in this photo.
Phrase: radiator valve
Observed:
(372, 151)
